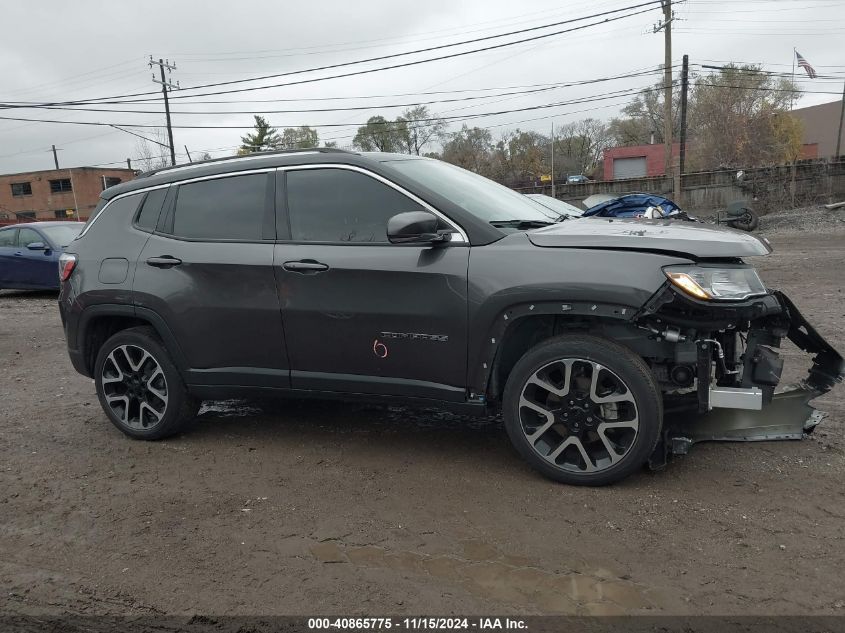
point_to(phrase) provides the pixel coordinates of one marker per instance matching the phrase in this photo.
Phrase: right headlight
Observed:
(716, 283)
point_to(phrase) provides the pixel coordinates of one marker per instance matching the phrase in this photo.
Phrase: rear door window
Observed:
(231, 208)
(7, 237)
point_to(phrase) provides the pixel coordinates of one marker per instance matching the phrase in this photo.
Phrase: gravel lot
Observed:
(297, 508)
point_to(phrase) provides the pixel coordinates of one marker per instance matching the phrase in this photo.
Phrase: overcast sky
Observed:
(53, 51)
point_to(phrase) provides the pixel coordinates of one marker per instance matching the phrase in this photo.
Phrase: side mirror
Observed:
(37, 246)
(415, 226)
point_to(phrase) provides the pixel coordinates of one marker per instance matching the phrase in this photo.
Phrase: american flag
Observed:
(803, 63)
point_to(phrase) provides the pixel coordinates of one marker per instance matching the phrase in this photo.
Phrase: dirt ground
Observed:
(303, 508)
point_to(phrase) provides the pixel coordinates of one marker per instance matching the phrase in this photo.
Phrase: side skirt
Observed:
(223, 392)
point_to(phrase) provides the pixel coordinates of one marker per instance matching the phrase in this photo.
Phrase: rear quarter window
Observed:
(118, 212)
(147, 217)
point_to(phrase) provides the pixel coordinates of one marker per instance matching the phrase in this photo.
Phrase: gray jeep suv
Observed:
(605, 344)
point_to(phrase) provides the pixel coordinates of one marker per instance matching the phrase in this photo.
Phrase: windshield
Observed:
(558, 206)
(477, 195)
(61, 234)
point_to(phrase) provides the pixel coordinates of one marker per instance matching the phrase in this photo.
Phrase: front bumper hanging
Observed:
(788, 416)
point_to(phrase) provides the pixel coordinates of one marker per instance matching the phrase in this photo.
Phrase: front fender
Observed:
(512, 279)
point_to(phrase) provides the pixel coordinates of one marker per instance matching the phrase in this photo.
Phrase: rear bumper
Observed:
(77, 359)
(70, 323)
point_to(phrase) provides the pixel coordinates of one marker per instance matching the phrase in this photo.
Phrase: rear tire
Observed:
(139, 386)
(583, 410)
(748, 221)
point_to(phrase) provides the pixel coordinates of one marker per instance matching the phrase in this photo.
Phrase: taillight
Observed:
(67, 262)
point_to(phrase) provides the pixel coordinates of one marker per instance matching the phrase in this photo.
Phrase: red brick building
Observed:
(644, 161)
(56, 193)
(637, 161)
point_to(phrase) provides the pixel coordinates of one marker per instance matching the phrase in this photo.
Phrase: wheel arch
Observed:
(522, 326)
(97, 323)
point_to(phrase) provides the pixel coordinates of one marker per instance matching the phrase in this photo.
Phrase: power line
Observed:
(395, 55)
(632, 73)
(370, 96)
(351, 136)
(543, 88)
(377, 43)
(600, 97)
(815, 92)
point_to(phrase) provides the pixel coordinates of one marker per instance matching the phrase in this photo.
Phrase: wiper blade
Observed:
(520, 224)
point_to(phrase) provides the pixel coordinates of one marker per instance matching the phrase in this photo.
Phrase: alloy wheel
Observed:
(134, 387)
(578, 415)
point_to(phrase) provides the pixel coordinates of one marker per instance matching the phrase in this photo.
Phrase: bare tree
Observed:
(740, 117)
(302, 137)
(643, 118)
(580, 145)
(520, 156)
(471, 148)
(418, 127)
(379, 135)
(155, 153)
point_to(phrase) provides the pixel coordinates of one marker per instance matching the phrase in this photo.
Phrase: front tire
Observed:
(583, 410)
(139, 386)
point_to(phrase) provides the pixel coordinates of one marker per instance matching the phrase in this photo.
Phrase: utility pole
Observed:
(128, 163)
(55, 157)
(165, 86)
(666, 27)
(683, 139)
(73, 189)
(553, 159)
(841, 117)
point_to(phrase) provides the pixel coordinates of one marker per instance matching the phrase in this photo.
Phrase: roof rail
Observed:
(251, 156)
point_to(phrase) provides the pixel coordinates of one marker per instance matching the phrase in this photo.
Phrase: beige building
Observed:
(821, 124)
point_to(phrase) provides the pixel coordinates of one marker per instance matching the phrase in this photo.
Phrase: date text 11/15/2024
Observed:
(417, 623)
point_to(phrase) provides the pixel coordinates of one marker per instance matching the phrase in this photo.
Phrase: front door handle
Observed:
(165, 261)
(305, 266)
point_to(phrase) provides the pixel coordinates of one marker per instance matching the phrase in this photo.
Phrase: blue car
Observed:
(632, 205)
(29, 254)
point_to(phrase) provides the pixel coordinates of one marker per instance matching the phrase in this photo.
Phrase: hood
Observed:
(694, 239)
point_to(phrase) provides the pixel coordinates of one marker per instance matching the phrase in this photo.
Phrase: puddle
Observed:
(486, 572)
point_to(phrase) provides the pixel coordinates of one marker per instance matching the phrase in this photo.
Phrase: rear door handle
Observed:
(165, 261)
(305, 266)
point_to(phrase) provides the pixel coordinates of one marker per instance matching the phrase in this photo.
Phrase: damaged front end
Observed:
(721, 383)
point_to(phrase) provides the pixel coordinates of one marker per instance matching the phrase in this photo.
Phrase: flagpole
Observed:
(841, 121)
(792, 96)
